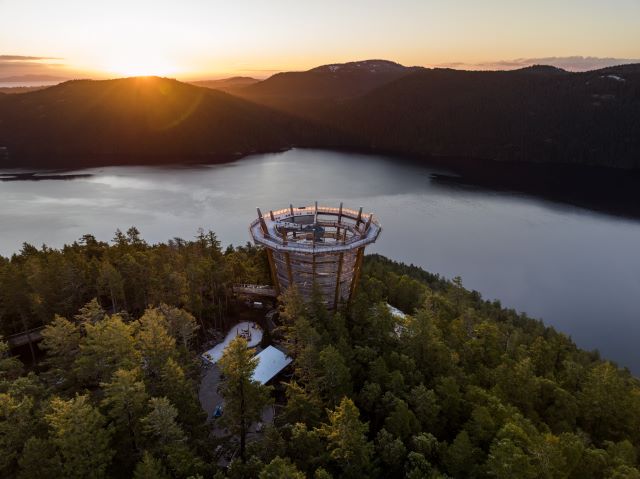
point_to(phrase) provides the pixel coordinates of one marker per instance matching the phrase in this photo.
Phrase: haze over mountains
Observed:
(535, 114)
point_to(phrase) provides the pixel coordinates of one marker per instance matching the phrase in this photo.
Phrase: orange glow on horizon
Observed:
(130, 65)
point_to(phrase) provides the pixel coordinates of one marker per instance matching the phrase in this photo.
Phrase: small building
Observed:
(271, 362)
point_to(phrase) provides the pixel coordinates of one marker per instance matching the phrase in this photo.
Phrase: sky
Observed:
(198, 39)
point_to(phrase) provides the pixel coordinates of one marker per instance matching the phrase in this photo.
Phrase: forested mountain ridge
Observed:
(226, 84)
(529, 115)
(84, 123)
(326, 83)
(537, 114)
(461, 387)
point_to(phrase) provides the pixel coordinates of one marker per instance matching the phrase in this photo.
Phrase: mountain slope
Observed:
(537, 114)
(151, 119)
(525, 115)
(327, 83)
(227, 84)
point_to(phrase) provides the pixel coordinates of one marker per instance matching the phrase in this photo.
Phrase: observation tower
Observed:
(319, 245)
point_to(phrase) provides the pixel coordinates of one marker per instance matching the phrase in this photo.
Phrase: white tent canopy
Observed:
(255, 336)
(395, 312)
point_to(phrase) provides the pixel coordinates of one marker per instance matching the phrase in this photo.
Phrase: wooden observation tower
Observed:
(319, 245)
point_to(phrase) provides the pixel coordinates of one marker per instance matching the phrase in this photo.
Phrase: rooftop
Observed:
(271, 362)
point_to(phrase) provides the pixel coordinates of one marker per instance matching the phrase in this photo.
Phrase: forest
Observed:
(458, 387)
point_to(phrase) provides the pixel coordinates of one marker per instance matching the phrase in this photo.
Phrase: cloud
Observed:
(24, 58)
(19, 68)
(574, 63)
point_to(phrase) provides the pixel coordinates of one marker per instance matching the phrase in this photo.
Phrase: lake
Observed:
(576, 269)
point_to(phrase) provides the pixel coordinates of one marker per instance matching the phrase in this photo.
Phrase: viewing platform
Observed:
(316, 246)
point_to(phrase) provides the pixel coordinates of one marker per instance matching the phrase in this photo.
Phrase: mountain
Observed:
(150, 119)
(336, 82)
(538, 114)
(542, 70)
(32, 78)
(21, 89)
(226, 84)
(549, 116)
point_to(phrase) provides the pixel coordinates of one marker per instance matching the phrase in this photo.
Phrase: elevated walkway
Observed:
(255, 290)
(25, 337)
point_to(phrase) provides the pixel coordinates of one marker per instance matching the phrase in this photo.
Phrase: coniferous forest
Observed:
(459, 387)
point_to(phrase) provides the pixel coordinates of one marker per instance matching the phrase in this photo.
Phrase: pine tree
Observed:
(302, 405)
(150, 468)
(81, 435)
(281, 469)
(347, 439)
(125, 399)
(40, 459)
(61, 341)
(180, 390)
(160, 424)
(153, 341)
(167, 439)
(90, 313)
(335, 377)
(107, 347)
(10, 366)
(181, 325)
(16, 425)
(244, 398)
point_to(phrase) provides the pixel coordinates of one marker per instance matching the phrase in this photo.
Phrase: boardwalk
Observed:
(255, 290)
(20, 339)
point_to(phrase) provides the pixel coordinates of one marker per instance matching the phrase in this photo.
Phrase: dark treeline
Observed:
(459, 387)
(126, 276)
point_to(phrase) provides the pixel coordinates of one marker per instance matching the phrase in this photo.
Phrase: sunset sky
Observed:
(194, 39)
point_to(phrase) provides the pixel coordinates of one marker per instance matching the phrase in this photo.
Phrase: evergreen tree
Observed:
(347, 440)
(107, 347)
(61, 341)
(81, 436)
(281, 469)
(90, 313)
(335, 377)
(16, 425)
(150, 468)
(10, 366)
(125, 399)
(153, 341)
(40, 458)
(244, 398)
(181, 325)
(391, 451)
(160, 425)
(301, 406)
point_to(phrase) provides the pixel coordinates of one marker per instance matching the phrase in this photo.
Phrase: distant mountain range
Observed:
(535, 114)
(32, 78)
(328, 82)
(226, 84)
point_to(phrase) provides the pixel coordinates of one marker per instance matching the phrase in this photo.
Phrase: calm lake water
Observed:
(575, 269)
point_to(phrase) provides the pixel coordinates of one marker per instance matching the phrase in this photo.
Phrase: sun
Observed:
(139, 64)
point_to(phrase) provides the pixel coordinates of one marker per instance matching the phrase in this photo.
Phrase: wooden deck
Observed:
(20, 339)
(255, 290)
